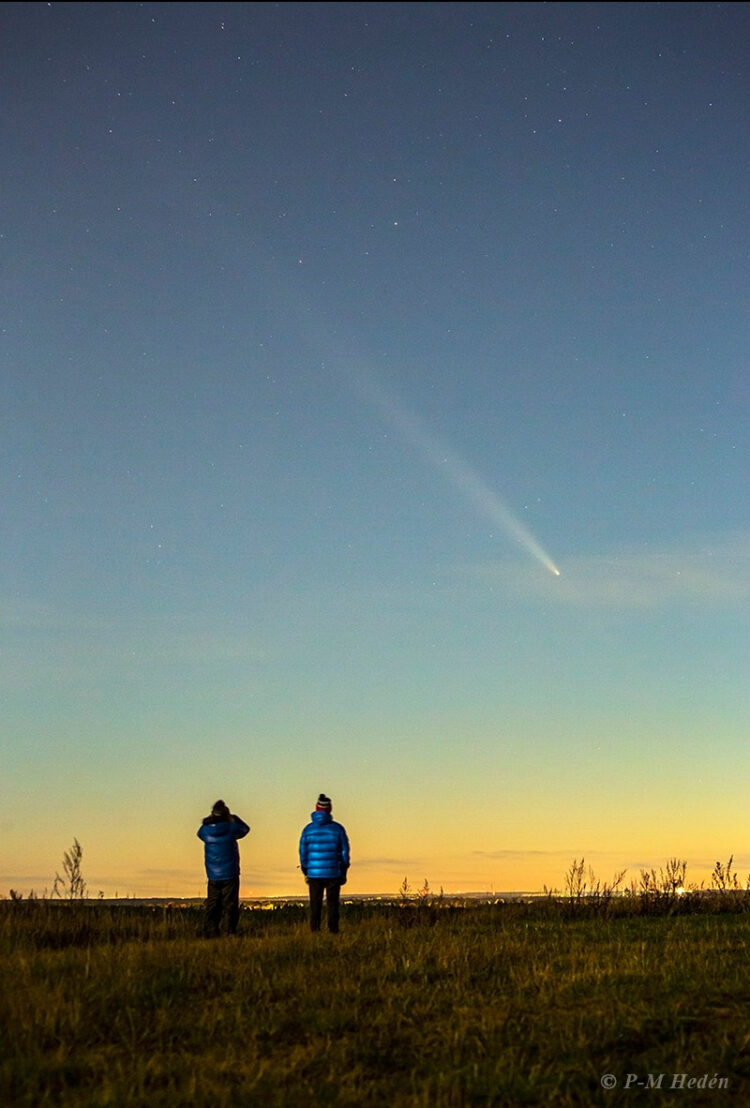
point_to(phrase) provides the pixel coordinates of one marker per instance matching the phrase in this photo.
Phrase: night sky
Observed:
(374, 416)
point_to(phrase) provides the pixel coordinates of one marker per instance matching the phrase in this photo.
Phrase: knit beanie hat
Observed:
(323, 803)
(220, 810)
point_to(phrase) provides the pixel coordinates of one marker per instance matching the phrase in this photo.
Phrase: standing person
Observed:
(219, 833)
(324, 860)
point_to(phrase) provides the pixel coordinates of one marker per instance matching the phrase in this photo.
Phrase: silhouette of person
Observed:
(219, 833)
(324, 861)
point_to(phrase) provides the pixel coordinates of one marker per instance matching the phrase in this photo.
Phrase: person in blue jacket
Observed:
(219, 833)
(324, 860)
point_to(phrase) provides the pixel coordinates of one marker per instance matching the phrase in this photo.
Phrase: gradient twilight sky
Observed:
(327, 331)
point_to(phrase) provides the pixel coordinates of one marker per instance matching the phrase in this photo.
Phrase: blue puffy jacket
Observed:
(221, 850)
(324, 848)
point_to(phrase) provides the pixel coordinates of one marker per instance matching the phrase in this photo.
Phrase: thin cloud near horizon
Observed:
(714, 572)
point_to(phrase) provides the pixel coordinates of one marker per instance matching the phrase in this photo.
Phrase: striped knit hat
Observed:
(323, 803)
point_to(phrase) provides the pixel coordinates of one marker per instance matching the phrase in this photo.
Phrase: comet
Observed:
(453, 468)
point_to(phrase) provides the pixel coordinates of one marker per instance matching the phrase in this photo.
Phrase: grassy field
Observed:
(413, 1004)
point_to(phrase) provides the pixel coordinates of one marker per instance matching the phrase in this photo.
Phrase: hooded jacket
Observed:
(222, 854)
(324, 848)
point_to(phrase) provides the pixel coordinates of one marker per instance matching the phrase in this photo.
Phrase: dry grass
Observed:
(415, 1004)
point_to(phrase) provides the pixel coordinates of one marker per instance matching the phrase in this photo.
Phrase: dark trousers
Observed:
(331, 886)
(222, 903)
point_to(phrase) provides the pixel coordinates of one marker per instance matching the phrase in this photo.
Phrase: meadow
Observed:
(566, 1000)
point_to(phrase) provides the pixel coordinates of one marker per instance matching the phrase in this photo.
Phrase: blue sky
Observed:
(328, 330)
